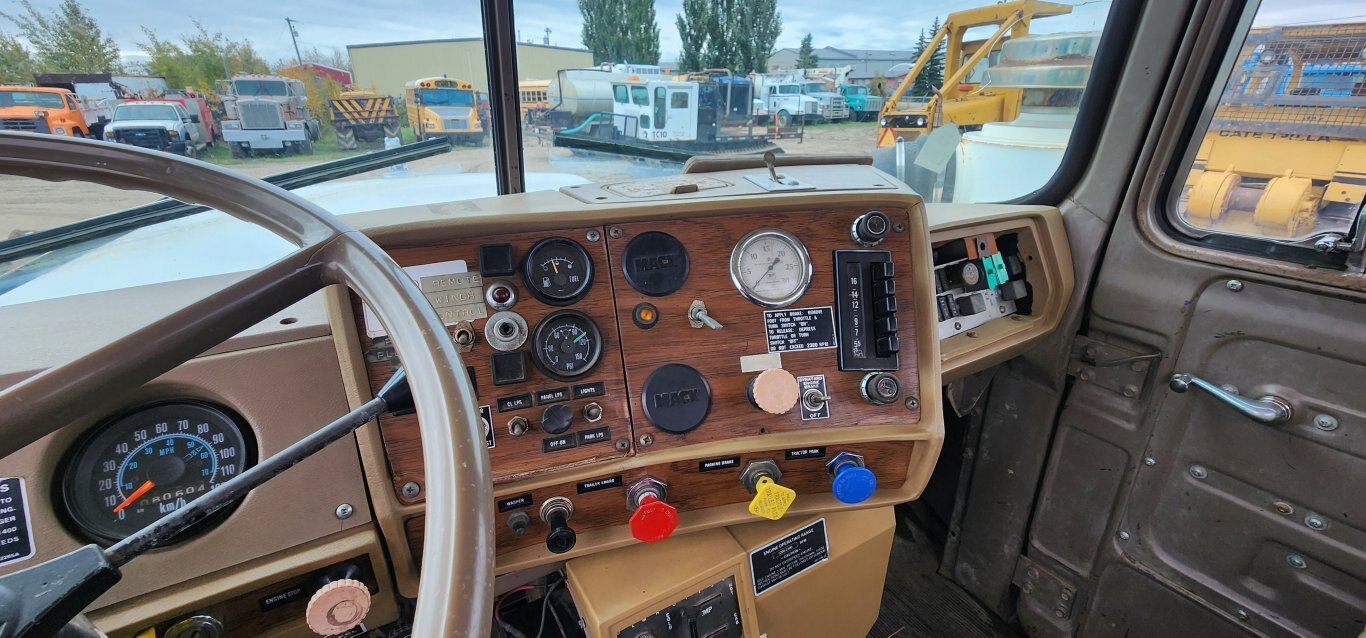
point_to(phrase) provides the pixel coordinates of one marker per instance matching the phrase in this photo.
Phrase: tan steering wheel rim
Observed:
(455, 596)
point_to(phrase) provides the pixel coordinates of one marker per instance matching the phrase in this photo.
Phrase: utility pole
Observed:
(547, 36)
(294, 35)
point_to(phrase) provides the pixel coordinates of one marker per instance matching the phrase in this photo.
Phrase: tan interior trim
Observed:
(1042, 238)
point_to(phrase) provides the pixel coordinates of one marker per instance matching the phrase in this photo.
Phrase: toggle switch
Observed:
(653, 519)
(518, 522)
(698, 317)
(850, 481)
(556, 512)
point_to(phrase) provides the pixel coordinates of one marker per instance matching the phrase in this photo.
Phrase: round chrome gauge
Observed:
(771, 268)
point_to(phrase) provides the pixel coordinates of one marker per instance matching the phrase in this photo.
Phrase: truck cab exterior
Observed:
(159, 125)
(785, 103)
(267, 113)
(863, 104)
(41, 110)
(444, 107)
(833, 108)
(656, 111)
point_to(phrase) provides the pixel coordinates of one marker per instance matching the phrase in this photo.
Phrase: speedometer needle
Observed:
(137, 494)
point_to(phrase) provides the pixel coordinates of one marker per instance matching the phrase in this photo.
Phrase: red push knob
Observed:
(654, 520)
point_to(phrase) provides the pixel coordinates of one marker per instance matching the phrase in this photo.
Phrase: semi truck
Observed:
(780, 98)
(267, 113)
(444, 107)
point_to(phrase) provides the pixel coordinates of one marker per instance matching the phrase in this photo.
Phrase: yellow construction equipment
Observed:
(364, 115)
(1285, 154)
(961, 100)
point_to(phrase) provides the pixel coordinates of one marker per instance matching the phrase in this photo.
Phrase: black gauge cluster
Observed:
(557, 271)
(149, 462)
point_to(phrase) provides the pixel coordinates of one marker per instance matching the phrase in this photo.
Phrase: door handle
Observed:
(1269, 409)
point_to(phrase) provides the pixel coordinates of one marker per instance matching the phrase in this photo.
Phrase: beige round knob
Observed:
(338, 606)
(774, 391)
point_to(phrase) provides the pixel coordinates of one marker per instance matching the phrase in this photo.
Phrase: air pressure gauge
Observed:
(771, 268)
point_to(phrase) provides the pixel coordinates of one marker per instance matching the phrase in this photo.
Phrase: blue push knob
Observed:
(849, 479)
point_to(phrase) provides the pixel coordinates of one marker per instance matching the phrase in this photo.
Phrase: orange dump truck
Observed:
(42, 110)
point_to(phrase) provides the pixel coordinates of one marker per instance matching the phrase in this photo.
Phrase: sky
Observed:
(334, 24)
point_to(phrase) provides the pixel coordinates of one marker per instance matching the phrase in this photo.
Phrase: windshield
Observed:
(856, 90)
(446, 97)
(272, 88)
(31, 98)
(144, 112)
(746, 98)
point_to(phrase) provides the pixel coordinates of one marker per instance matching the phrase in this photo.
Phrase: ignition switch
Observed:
(654, 520)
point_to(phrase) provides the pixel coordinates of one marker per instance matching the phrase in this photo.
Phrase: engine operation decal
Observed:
(800, 329)
(16, 537)
(774, 563)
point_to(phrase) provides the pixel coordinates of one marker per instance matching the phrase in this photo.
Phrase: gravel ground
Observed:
(28, 205)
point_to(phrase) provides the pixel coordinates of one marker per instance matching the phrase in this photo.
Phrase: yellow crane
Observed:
(959, 100)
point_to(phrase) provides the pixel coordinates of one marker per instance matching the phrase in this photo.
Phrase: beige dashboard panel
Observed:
(1043, 244)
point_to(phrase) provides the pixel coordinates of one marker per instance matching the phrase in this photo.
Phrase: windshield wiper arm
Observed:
(168, 209)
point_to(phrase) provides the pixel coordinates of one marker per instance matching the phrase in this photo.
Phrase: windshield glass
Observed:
(31, 98)
(348, 77)
(272, 88)
(446, 97)
(856, 90)
(144, 112)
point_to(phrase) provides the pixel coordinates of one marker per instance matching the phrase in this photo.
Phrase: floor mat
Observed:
(917, 601)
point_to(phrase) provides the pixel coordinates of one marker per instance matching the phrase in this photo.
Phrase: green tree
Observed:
(16, 65)
(68, 40)
(200, 58)
(758, 25)
(692, 31)
(620, 30)
(806, 55)
(934, 69)
(931, 77)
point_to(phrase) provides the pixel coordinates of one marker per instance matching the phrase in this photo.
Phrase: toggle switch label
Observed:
(786, 557)
(594, 485)
(806, 384)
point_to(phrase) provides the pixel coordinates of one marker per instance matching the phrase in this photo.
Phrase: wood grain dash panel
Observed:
(716, 353)
(689, 490)
(515, 458)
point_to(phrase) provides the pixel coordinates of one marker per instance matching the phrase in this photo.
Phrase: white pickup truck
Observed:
(160, 125)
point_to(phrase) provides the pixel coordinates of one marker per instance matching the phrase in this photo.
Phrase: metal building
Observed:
(387, 65)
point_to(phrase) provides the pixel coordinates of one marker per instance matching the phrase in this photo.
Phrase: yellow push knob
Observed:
(771, 500)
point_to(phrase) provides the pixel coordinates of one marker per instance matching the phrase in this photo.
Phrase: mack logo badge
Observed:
(679, 397)
(676, 398)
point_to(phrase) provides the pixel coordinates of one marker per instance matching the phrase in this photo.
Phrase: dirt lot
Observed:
(29, 205)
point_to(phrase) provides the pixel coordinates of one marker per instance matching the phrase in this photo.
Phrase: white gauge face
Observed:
(771, 268)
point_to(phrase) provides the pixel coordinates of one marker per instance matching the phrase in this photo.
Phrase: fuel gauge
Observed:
(557, 271)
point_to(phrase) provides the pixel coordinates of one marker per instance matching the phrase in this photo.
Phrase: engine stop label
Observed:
(16, 537)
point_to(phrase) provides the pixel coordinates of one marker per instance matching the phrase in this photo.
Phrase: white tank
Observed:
(582, 92)
(1006, 160)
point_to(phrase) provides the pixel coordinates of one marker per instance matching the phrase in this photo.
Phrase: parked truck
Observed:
(267, 113)
(444, 107)
(161, 125)
(864, 105)
(779, 98)
(363, 115)
(42, 110)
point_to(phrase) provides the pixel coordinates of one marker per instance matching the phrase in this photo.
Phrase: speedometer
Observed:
(771, 267)
(150, 462)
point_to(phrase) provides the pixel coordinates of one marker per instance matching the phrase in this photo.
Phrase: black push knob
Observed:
(556, 418)
(556, 512)
(870, 228)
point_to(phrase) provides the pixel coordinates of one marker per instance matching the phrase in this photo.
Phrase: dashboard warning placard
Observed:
(16, 537)
(800, 329)
(788, 556)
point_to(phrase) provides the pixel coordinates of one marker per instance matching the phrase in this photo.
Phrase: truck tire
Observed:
(305, 147)
(235, 150)
(346, 139)
(784, 119)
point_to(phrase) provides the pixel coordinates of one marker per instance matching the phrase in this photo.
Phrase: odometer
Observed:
(150, 462)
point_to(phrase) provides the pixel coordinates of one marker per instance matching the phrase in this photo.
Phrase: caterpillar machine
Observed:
(363, 115)
(771, 396)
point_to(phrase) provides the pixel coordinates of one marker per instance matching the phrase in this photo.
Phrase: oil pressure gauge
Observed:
(771, 268)
(566, 344)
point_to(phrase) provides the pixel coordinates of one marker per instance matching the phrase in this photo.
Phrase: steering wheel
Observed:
(456, 591)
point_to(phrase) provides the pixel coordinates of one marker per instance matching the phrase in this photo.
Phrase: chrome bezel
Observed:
(755, 297)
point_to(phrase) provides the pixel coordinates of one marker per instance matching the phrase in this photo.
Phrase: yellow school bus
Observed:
(533, 95)
(444, 106)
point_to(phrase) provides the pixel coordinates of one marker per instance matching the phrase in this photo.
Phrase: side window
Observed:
(1282, 157)
(678, 100)
(71, 103)
(660, 104)
(619, 94)
(640, 95)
